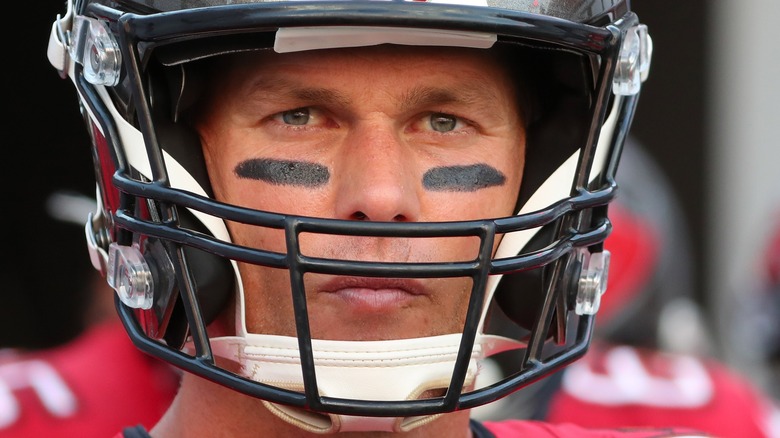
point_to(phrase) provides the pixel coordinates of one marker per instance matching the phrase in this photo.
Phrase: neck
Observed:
(203, 408)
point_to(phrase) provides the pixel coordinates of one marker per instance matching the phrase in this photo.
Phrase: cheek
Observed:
(514, 180)
(512, 166)
(270, 198)
(215, 159)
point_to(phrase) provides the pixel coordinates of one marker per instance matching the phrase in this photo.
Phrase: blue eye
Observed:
(441, 122)
(298, 116)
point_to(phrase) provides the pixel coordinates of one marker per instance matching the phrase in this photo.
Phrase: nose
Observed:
(377, 180)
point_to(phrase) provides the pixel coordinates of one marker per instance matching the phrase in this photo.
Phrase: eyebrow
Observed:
(281, 87)
(477, 96)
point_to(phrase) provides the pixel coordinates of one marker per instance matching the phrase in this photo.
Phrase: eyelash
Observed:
(432, 118)
(309, 112)
(315, 117)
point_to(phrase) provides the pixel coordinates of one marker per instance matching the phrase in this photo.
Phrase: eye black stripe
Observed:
(467, 178)
(284, 172)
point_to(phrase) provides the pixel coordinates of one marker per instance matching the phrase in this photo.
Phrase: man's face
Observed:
(383, 133)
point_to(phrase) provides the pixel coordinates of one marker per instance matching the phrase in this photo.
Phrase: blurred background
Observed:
(707, 115)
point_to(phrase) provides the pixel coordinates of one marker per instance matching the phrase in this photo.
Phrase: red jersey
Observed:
(537, 429)
(620, 385)
(526, 429)
(90, 387)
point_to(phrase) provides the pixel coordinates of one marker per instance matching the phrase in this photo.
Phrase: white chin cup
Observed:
(393, 370)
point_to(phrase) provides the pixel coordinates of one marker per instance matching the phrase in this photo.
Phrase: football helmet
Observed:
(161, 238)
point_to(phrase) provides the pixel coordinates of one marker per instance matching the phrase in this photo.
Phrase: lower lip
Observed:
(374, 299)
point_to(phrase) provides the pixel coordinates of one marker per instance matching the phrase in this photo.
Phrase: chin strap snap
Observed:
(592, 282)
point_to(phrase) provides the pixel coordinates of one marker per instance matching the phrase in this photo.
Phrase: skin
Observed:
(384, 133)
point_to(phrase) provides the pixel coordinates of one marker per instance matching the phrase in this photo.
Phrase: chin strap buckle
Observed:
(86, 41)
(130, 276)
(633, 64)
(592, 282)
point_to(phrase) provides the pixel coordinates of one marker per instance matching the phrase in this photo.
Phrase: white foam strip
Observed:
(296, 39)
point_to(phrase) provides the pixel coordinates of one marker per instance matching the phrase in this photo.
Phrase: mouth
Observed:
(363, 294)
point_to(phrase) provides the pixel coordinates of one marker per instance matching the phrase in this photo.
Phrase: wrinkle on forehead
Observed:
(264, 75)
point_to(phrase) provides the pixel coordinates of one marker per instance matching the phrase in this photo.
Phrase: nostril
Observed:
(360, 216)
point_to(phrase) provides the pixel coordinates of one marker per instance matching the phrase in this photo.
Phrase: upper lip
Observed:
(411, 286)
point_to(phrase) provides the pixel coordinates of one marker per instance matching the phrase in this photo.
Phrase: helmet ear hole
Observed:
(520, 295)
(176, 332)
(214, 282)
(213, 277)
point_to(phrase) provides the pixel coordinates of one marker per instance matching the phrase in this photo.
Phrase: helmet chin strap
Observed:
(359, 370)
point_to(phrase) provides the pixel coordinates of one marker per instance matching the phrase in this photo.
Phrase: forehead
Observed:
(455, 74)
(383, 60)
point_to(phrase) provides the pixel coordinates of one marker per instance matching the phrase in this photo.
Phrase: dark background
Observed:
(670, 118)
(46, 149)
